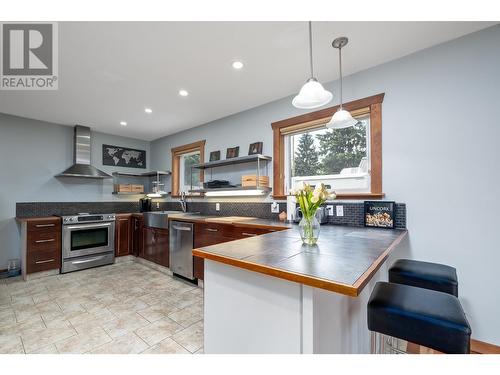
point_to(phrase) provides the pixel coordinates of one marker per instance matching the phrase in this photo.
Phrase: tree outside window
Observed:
(329, 151)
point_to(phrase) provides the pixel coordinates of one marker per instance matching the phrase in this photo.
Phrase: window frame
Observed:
(309, 121)
(177, 152)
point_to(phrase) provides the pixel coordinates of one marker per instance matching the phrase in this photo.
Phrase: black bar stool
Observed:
(426, 275)
(425, 317)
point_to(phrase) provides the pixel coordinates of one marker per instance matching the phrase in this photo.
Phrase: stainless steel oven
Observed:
(88, 240)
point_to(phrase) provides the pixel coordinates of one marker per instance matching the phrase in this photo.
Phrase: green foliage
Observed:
(306, 161)
(342, 148)
(190, 160)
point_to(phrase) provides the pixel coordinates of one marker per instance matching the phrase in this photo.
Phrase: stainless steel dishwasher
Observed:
(181, 249)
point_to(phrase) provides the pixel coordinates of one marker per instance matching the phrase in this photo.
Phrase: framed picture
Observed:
(233, 152)
(255, 148)
(215, 155)
(123, 157)
(379, 214)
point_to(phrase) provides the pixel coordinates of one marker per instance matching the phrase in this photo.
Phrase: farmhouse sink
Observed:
(159, 219)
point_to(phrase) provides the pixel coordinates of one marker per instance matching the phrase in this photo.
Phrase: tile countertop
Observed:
(233, 220)
(343, 261)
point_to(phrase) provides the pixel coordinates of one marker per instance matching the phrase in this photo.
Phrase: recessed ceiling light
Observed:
(183, 93)
(237, 65)
(148, 110)
(123, 123)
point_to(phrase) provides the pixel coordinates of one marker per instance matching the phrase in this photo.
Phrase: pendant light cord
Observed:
(311, 49)
(340, 68)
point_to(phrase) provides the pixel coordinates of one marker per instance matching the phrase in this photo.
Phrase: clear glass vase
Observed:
(309, 228)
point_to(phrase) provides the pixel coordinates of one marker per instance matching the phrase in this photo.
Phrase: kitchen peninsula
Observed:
(271, 294)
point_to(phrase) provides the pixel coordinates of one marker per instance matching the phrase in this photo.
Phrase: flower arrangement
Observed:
(309, 201)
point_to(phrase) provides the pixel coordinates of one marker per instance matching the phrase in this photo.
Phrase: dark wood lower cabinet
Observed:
(198, 268)
(155, 246)
(137, 231)
(41, 244)
(208, 234)
(123, 240)
(152, 244)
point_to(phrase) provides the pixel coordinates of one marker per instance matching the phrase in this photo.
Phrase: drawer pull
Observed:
(42, 241)
(212, 229)
(88, 260)
(45, 261)
(248, 234)
(44, 225)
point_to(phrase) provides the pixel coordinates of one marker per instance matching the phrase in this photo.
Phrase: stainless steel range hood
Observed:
(81, 166)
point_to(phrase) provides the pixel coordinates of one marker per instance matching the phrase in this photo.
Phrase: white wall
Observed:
(441, 131)
(32, 153)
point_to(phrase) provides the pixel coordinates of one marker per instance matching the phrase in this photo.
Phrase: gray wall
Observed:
(32, 153)
(440, 156)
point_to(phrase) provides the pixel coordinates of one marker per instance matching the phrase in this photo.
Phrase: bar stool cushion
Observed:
(422, 316)
(425, 275)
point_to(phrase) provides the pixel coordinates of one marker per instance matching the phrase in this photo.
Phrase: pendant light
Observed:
(312, 94)
(342, 118)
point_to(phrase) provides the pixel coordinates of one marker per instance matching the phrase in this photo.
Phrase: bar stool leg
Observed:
(373, 342)
(381, 345)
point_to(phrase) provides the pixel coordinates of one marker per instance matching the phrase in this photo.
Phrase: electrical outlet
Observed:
(329, 208)
(275, 208)
(340, 210)
(217, 207)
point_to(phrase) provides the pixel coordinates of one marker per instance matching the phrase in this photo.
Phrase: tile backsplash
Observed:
(353, 211)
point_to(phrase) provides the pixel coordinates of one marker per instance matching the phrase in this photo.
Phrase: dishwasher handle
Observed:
(177, 227)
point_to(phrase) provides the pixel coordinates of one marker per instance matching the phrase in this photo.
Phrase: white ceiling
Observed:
(110, 71)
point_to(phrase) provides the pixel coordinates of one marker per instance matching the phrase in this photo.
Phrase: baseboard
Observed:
(481, 347)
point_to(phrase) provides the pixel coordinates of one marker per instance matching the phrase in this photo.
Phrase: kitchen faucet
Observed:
(183, 201)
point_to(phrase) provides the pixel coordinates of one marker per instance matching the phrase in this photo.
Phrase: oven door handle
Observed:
(87, 260)
(87, 226)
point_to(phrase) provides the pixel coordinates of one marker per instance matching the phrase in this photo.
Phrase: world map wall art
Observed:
(123, 157)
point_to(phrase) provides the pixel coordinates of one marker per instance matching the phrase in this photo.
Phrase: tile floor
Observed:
(122, 308)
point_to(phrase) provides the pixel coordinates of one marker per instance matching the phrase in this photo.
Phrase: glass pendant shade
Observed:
(341, 119)
(312, 95)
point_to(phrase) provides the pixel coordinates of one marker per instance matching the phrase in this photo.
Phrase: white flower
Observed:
(299, 186)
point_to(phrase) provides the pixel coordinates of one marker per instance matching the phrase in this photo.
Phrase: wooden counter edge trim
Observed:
(36, 218)
(482, 347)
(360, 283)
(316, 282)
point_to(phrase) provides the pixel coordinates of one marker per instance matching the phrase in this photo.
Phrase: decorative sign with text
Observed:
(379, 214)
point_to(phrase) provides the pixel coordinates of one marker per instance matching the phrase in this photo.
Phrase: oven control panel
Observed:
(87, 218)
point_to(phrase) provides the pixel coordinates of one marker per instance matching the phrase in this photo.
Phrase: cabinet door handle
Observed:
(248, 234)
(42, 241)
(188, 229)
(212, 229)
(44, 225)
(45, 261)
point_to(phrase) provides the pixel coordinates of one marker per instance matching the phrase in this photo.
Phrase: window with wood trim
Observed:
(348, 160)
(183, 157)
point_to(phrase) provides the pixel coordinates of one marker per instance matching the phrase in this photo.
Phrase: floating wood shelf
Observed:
(232, 161)
(150, 181)
(265, 189)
